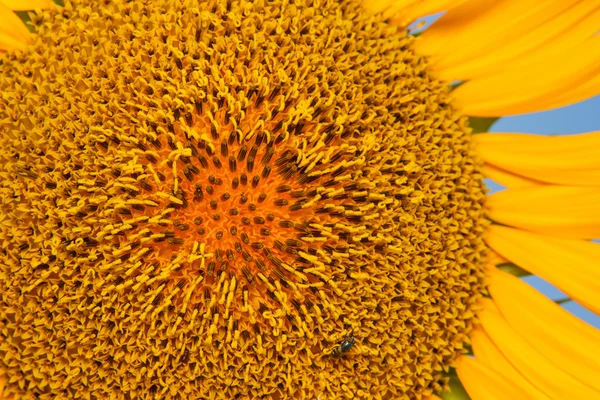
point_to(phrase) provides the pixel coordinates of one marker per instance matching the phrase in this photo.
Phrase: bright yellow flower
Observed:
(272, 200)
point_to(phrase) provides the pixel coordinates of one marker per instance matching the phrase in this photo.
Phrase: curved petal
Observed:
(571, 212)
(377, 6)
(510, 35)
(517, 56)
(570, 344)
(573, 94)
(571, 265)
(529, 88)
(24, 5)
(534, 365)
(507, 179)
(13, 33)
(488, 355)
(482, 383)
(403, 12)
(507, 139)
(426, 7)
(452, 30)
(568, 160)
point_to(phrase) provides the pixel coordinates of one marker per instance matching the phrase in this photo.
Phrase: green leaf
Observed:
(482, 124)
(514, 269)
(457, 391)
(24, 15)
(563, 301)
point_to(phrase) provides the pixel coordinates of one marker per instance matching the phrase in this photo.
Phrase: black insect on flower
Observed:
(344, 347)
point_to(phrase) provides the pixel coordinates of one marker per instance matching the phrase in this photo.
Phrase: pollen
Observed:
(207, 200)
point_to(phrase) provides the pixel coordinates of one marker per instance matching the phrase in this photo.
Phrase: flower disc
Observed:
(210, 200)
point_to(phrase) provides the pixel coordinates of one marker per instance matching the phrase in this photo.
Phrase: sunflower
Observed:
(272, 199)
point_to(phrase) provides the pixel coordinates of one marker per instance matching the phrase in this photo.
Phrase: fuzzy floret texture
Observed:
(204, 199)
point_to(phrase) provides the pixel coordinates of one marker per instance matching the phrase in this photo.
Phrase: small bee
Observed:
(344, 347)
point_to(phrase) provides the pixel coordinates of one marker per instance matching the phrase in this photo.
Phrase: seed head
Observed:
(207, 200)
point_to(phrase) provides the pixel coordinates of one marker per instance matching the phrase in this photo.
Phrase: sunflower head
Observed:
(232, 199)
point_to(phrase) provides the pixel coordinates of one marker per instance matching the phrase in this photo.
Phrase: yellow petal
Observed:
(13, 33)
(481, 383)
(572, 345)
(507, 179)
(571, 265)
(571, 212)
(573, 94)
(511, 33)
(403, 12)
(569, 160)
(520, 55)
(508, 138)
(494, 259)
(534, 365)
(530, 87)
(378, 6)
(24, 5)
(488, 354)
(427, 7)
(452, 30)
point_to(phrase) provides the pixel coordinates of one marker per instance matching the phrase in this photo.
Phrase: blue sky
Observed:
(577, 118)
